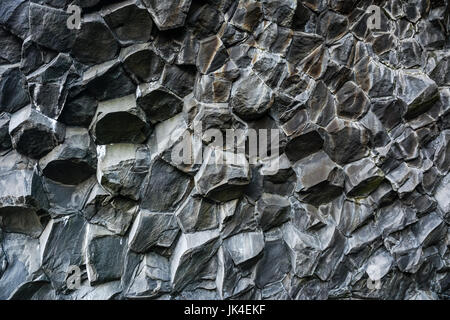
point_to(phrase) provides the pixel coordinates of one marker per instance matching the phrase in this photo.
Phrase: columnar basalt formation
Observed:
(95, 204)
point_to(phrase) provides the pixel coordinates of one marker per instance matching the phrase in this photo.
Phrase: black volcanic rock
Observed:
(224, 149)
(33, 134)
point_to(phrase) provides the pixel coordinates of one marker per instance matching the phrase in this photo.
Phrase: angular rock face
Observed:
(49, 84)
(59, 251)
(72, 162)
(129, 22)
(244, 246)
(158, 103)
(13, 94)
(272, 210)
(33, 134)
(224, 149)
(113, 158)
(94, 42)
(418, 92)
(119, 121)
(114, 214)
(211, 55)
(320, 180)
(166, 187)
(5, 139)
(22, 201)
(152, 229)
(103, 265)
(142, 62)
(191, 253)
(108, 81)
(251, 97)
(222, 182)
(169, 14)
(48, 28)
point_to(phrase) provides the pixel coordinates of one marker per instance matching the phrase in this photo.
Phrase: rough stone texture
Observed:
(91, 121)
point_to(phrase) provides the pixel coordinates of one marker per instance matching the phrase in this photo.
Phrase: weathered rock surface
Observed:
(33, 134)
(222, 182)
(170, 14)
(119, 121)
(129, 22)
(224, 149)
(251, 98)
(319, 179)
(158, 102)
(22, 201)
(13, 93)
(152, 229)
(113, 158)
(94, 42)
(48, 28)
(108, 81)
(72, 162)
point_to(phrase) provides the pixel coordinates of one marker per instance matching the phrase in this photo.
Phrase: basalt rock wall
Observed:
(96, 98)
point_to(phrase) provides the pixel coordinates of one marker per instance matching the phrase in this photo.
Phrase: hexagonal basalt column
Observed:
(158, 102)
(168, 14)
(72, 162)
(120, 121)
(362, 178)
(223, 175)
(22, 200)
(319, 180)
(129, 21)
(345, 141)
(152, 229)
(122, 168)
(33, 134)
(13, 93)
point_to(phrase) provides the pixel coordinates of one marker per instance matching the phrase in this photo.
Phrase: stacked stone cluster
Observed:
(360, 207)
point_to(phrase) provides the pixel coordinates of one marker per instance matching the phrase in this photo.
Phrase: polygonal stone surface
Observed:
(79, 111)
(114, 214)
(120, 121)
(319, 180)
(346, 142)
(197, 214)
(362, 177)
(5, 139)
(108, 81)
(212, 55)
(272, 210)
(22, 200)
(192, 251)
(103, 265)
(244, 246)
(418, 92)
(166, 187)
(152, 229)
(48, 85)
(247, 15)
(251, 98)
(158, 102)
(129, 22)
(94, 42)
(352, 102)
(48, 27)
(111, 161)
(141, 61)
(33, 134)
(224, 180)
(13, 94)
(72, 162)
(168, 14)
